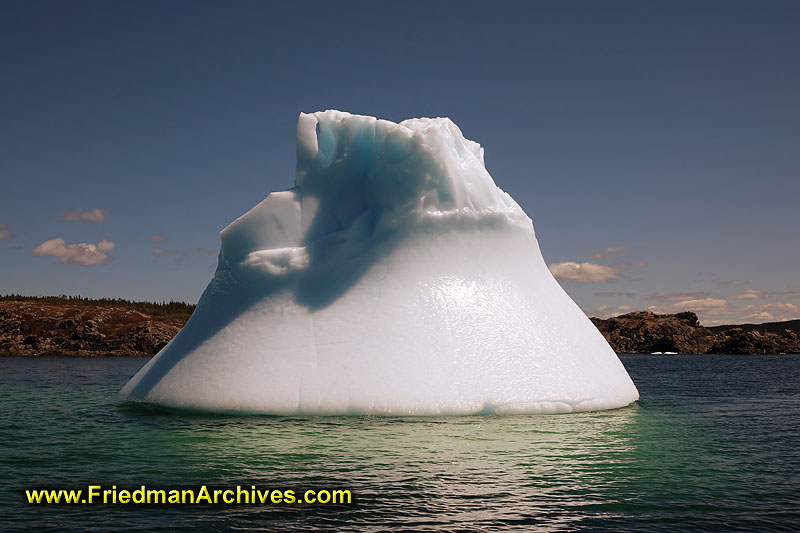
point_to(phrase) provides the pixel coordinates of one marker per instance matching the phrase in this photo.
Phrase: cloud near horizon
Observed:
(777, 312)
(608, 252)
(584, 272)
(605, 311)
(716, 311)
(751, 294)
(4, 233)
(732, 283)
(659, 297)
(680, 296)
(754, 294)
(708, 305)
(772, 307)
(83, 254)
(79, 215)
(158, 238)
(712, 308)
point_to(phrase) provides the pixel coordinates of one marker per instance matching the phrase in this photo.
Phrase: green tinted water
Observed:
(712, 444)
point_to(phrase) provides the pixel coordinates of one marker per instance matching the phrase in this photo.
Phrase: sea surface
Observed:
(713, 444)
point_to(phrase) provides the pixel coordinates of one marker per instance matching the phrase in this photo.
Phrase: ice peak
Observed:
(331, 134)
(425, 161)
(359, 177)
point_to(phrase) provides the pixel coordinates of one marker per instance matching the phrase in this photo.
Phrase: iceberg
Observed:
(394, 278)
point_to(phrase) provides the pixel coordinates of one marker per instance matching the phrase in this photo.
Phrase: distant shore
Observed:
(80, 327)
(647, 332)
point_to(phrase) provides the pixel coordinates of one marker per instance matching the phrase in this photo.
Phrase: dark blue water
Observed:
(713, 444)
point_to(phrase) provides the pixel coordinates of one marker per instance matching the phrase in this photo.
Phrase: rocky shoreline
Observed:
(647, 332)
(41, 328)
(100, 328)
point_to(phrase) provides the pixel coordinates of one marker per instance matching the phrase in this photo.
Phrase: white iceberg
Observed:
(395, 278)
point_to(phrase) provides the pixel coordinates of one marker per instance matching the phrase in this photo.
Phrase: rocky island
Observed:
(81, 327)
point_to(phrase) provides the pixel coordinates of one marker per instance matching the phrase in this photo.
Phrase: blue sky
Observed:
(667, 132)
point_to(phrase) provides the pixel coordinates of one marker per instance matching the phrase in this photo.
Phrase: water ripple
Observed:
(712, 445)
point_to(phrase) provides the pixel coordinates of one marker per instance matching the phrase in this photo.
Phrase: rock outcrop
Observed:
(31, 328)
(647, 332)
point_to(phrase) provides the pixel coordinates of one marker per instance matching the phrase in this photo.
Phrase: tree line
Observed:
(164, 309)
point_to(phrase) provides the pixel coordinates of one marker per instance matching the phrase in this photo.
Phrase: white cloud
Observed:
(76, 254)
(735, 282)
(708, 305)
(605, 311)
(79, 215)
(712, 311)
(770, 307)
(608, 252)
(158, 238)
(762, 316)
(751, 294)
(772, 312)
(584, 272)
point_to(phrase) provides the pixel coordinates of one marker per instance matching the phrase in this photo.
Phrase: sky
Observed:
(655, 145)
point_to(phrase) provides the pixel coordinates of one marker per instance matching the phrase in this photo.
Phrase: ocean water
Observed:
(713, 444)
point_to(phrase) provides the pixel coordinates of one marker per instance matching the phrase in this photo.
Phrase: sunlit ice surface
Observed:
(395, 278)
